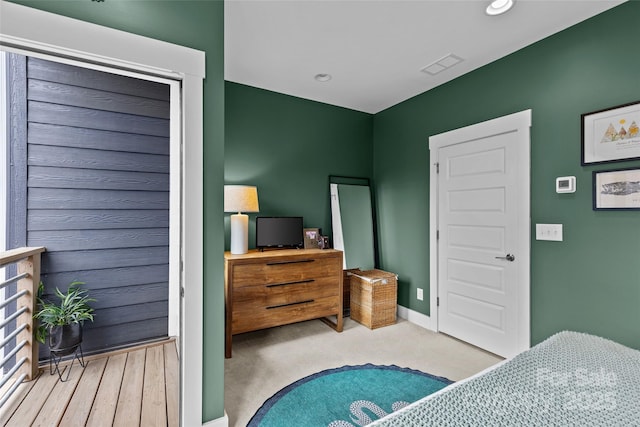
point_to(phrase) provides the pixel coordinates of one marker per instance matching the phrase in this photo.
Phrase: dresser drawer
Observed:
(247, 318)
(269, 296)
(284, 271)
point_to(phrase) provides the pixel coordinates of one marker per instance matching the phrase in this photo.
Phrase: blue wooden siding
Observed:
(97, 174)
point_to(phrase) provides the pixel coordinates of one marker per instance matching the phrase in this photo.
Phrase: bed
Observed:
(570, 379)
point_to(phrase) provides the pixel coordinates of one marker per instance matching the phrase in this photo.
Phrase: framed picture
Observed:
(611, 135)
(312, 238)
(616, 189)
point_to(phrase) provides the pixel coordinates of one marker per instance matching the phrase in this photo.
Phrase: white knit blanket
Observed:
(570, 379)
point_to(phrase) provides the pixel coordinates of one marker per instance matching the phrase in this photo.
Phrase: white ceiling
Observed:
(375, 49)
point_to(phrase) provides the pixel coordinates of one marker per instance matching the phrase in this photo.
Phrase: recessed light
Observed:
(498, 7)
(323, 77)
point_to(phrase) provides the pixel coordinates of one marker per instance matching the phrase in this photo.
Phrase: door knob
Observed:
(509, 257)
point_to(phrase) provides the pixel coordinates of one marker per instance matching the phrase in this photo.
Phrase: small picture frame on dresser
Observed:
(312, 238)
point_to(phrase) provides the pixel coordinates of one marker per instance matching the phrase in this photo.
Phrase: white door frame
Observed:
(27, 29)
(4, 175)
(522, 122)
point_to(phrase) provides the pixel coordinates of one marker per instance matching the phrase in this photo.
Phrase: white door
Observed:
(483, 233)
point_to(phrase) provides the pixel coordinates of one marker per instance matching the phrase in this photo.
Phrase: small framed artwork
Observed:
(616, 189)
(611, 135)
(312, 238)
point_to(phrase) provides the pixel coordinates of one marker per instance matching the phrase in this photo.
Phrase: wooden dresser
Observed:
(277, 287)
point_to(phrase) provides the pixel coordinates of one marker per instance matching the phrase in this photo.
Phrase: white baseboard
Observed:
(415, 317)
(218, 422)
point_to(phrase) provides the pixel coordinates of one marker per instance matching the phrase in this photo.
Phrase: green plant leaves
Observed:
(73, 307)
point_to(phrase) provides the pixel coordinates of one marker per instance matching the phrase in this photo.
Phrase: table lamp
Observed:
(240, 198)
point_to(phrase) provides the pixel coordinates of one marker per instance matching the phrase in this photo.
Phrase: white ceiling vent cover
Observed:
(442, 64)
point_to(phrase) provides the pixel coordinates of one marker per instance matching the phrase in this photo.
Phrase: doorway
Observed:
(90, 181)
(30, 30)
(480, 213)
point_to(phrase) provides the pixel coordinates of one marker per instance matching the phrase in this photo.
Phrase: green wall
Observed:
(589, 282)
(199, 25)
(288, 147)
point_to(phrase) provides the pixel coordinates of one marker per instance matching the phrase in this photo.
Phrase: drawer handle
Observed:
(290, 283)
(291, 303)
(290, 262)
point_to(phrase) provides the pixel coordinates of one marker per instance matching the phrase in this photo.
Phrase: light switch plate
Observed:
(551, 232)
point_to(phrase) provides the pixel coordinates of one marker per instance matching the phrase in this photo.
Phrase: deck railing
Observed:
(25, 351)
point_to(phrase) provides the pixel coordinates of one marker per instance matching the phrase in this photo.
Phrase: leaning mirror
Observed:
(353, 221)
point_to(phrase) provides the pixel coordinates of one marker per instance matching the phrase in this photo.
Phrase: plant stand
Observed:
(55, 357)
(63, 341)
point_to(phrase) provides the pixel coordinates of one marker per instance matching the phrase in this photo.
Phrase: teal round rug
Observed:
(349, 396)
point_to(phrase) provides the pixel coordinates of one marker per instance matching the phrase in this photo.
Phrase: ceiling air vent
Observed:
(442, 64)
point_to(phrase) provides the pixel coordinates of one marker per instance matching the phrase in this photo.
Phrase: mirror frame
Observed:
(353, 180)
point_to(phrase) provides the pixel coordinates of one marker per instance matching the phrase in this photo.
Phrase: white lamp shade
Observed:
(240, 198)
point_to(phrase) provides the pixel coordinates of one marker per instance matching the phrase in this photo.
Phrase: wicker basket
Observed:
(374, 298)
(346, 289)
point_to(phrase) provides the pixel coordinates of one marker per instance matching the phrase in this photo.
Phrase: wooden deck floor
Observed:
(132, 387)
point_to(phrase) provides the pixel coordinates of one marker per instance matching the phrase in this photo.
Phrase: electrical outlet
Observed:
(420, 295)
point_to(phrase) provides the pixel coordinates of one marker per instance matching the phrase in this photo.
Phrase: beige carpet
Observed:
(265, 361)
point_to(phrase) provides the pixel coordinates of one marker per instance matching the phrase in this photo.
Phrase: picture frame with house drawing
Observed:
(611, 135)
(312, 237)
(616, 189)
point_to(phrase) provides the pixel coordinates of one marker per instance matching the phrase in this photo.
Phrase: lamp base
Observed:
(239, 234)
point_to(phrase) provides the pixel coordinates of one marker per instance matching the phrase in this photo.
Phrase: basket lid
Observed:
(375, 275)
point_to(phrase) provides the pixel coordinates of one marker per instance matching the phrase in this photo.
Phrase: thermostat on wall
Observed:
(566, 184)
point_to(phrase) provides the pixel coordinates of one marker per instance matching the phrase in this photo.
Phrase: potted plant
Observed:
(62, 321)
